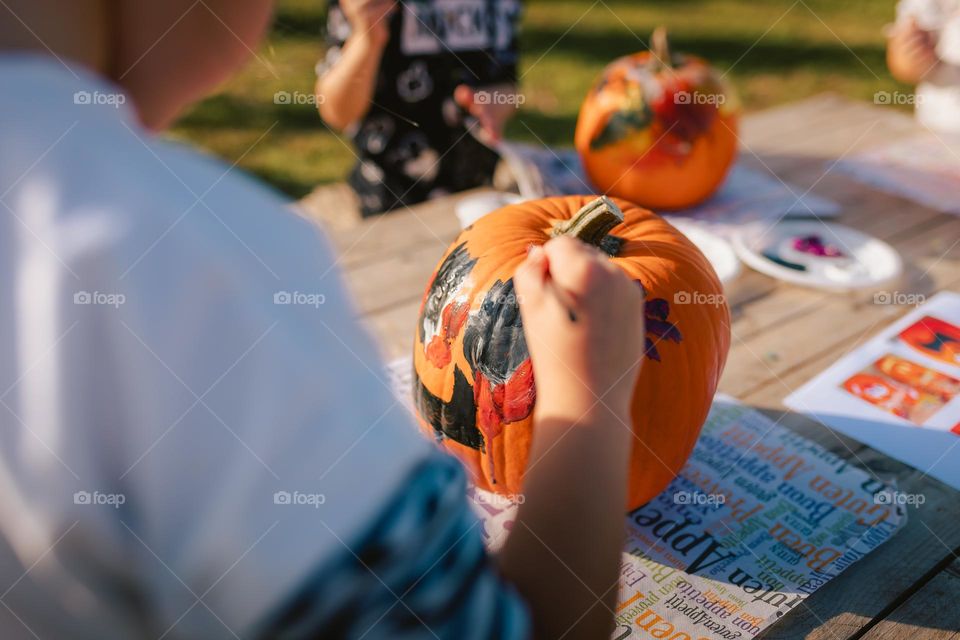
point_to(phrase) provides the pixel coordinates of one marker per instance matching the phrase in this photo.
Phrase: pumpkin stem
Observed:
(660, 46)
(592, 222)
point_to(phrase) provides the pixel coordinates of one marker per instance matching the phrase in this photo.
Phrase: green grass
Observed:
(774, 51)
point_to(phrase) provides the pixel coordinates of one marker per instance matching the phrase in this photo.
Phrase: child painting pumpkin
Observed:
(189, 449)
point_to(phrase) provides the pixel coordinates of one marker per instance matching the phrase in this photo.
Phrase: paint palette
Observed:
(816, 254)
(717, 250)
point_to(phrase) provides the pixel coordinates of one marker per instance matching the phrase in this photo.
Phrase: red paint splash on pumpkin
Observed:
(438, 351)
(499, 404)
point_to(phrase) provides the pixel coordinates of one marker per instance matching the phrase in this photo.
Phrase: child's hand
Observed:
(369, 19)
(599, 354)
(911, 53)
(565, 547)
(492, 106)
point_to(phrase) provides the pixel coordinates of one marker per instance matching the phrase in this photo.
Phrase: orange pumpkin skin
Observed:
(473, 383)
(661, 136)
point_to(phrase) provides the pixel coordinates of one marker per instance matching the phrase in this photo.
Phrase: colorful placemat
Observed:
(758, 519)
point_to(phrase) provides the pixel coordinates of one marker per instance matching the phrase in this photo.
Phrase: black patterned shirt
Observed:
(419, 571)
(413, 143)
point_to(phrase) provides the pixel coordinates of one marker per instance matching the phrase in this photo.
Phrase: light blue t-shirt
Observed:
(197, 440)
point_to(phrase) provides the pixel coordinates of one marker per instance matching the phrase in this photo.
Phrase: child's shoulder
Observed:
(72, 141)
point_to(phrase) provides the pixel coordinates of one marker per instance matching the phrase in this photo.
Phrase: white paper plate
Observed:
(717, 250)
(865, 263)
(472, 208)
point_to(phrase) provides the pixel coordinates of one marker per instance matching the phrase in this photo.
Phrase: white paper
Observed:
(933, 446)
(924, 168)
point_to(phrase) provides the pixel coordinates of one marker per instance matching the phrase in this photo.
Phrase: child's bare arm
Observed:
(563, 554)
(911, 54)
(344, 92)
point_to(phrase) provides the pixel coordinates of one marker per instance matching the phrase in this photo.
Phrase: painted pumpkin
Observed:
(658, 129)
(473, 382)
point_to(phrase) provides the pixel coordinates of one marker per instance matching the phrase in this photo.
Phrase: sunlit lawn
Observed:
(775, 51)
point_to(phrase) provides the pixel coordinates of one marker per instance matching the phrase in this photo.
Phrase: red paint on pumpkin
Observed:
(500, 404)
(452, 320)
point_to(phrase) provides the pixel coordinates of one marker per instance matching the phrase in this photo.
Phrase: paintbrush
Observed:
(560, 294)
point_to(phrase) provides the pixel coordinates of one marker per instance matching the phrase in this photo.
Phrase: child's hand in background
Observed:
(369, 19)
(911, 53)
(492, 106)
(598, 355)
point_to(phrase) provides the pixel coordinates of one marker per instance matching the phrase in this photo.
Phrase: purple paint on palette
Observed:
(814, 245)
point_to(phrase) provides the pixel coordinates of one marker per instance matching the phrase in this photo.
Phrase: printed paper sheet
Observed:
(900, 391)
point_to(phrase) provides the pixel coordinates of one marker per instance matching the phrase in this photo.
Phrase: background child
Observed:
(196, 440)
(924, 49)
(400, 76)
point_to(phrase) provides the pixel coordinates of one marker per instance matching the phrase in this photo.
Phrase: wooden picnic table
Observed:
(783, 335)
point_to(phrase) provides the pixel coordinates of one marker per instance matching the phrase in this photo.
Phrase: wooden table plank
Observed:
(849, 603)
(847, 126)
(810, 324)
(432, 222)
(790, 119)
(931, 612)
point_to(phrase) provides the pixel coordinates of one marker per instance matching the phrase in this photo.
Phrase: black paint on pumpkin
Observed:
(450, 275)
(456, 419)
(622, 124)
(493, 340)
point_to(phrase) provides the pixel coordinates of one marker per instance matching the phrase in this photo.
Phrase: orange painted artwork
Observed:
(904, 388)
(935, 338)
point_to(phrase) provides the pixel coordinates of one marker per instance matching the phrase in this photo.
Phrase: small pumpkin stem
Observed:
(592, 222)
(660, 45)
